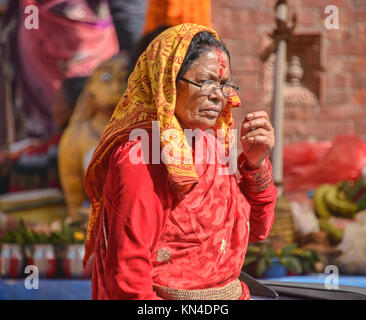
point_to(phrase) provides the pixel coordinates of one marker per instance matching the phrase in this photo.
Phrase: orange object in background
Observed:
(175, 12)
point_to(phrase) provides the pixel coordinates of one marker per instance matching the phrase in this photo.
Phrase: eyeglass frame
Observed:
(200, 85)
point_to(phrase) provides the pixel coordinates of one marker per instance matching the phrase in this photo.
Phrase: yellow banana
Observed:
(338, 206)
(320, 205)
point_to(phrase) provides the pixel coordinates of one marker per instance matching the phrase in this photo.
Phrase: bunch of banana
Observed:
(338, 203)
(331, 200)
(320, 206)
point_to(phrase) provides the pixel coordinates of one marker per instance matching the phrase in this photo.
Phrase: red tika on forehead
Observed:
(221, 60)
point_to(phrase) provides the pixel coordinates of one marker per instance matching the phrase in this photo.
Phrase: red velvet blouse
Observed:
(194, 242)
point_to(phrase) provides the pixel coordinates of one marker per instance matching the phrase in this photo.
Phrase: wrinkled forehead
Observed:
(212, 62)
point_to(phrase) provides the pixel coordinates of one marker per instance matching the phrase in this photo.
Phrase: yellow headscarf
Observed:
(150, 96)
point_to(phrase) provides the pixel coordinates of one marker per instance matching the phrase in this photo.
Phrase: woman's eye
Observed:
(200, 81)
(106, 77)
(210, 81)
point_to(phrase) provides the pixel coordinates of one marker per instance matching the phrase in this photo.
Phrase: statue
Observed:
(92, 113)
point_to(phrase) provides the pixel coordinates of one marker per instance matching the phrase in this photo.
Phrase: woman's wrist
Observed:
(256, 179)
(246, 165)
(252, 166)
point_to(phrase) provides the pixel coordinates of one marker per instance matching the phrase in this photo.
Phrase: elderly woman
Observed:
(171, 229)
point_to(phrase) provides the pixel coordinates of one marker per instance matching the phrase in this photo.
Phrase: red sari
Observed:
(197, 241)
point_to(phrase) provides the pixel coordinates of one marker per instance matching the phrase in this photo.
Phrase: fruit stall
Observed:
(321, 220)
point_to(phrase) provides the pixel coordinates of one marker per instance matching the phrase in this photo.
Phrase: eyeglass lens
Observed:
(209, 87)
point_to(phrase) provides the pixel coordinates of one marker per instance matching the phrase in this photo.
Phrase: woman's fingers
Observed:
(256, 133)
(255, 124)
(257, 129)
(260, 136)
(256, 115)
(259, 139)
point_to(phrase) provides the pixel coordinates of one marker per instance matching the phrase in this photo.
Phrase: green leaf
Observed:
(55, 238)
(252, 249)
(67, 234)
(268, 252)
(33, 236)
(29, 236)
(21, 226)
(308, 267)
(292, 264)
(261, 267)
(269, 263)
(19, 238)
(249, 260)
(305, 254)
(315, 256)
(288, 250)
(42, 238)
(9, 237)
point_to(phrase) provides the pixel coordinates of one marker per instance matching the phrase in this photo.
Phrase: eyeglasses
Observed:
(208, 87)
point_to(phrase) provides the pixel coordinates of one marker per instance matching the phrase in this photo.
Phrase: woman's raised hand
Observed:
(257, 138)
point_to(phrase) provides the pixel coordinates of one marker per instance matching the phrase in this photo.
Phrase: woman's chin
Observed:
(209, 122)
(205, 124)
(202, 123)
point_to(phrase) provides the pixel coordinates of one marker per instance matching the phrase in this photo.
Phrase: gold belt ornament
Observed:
(231, 291)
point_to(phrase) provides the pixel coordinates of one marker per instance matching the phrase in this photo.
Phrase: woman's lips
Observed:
(211, 113)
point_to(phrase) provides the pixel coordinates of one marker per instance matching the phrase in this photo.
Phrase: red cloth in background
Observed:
(36, 167)
(307, 165)
(155, 238)
(71, 41)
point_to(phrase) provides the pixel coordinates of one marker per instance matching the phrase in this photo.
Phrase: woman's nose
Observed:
(217, 95)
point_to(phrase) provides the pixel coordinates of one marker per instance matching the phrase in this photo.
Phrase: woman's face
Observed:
(194, 110)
